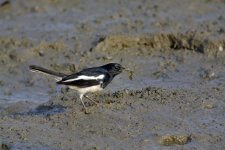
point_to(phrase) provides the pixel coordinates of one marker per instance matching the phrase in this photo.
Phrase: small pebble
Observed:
(168, 140)
(209, 105)
(220, 48)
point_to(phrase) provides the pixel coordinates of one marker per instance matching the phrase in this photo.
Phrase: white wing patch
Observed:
(84, 77)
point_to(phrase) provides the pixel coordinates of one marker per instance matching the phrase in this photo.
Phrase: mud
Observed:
(173, 99)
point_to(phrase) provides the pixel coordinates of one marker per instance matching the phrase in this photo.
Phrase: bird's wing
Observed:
(84, 78)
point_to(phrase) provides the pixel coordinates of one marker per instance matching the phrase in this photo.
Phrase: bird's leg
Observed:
(90, 99)
(81, 97)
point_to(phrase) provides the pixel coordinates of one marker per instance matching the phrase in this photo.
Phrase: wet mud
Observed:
(173, 99)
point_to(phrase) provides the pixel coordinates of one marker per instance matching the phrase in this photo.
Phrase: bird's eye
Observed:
(117, 67)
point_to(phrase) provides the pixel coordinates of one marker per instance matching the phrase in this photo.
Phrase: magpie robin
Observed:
(87, 80)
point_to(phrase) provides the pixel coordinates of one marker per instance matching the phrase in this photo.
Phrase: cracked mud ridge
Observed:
(174, 99)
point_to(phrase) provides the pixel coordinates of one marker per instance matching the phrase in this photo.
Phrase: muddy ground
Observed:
(174, 100)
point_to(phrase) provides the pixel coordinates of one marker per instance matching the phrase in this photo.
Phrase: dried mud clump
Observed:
(146, 44)
(158, 95)
(11, 49)
(168, 140)
(4, 146)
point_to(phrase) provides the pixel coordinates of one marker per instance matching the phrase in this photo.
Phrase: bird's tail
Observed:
(44, 70)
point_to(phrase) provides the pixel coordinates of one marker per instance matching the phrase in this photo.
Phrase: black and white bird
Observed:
(87, 80)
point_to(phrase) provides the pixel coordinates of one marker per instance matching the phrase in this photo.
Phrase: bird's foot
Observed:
(91, 100)
(86, 111)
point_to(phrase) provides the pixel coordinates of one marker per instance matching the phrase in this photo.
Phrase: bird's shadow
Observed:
(44, 110)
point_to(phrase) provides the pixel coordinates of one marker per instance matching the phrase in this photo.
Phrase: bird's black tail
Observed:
(43, 70)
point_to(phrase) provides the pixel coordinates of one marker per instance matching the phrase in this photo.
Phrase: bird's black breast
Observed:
(107, 79)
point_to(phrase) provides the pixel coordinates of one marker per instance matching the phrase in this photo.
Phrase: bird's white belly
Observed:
(87, 89)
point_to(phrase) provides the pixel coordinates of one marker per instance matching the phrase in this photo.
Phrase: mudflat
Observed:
(175, 98)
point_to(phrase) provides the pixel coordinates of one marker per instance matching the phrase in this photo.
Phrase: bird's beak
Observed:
(126, 69)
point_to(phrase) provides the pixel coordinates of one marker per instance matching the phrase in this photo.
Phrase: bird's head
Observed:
(114, 68)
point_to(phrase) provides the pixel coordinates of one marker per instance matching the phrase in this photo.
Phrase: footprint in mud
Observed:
(45, 110)
(48, 110)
